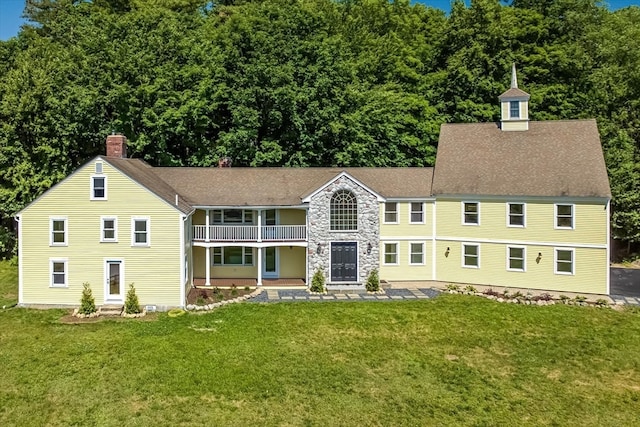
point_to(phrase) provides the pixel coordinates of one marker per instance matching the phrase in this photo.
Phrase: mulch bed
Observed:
(213, 295)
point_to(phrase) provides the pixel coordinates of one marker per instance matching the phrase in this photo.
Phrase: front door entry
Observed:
(344, 262)
(270, 262)
(114, 278)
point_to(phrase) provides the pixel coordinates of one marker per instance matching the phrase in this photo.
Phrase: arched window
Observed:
(343, 211)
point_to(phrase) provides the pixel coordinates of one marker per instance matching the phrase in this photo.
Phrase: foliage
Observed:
(373, 281)
(87, 302)
(317, 282)
(131, 304)
(8, 283)
(470, 289)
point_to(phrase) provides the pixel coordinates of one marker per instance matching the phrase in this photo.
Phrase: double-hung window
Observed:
(564, 216)
(564, 259)
(58, 273)
(470, 213)
(417, 213)
(471, 255)
(233, 255)
(58, 232)
(416, 253)
(391, 213)
(391, 253)
(140, 231)
(108, 229)
(516, 213)
(514, 109)
(98, 187)
(516, 258)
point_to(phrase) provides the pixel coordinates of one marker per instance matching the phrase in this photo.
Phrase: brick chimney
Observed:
(117, 146)
(224, 162)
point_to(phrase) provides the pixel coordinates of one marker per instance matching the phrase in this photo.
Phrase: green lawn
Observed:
(454, 360)
(8, 283)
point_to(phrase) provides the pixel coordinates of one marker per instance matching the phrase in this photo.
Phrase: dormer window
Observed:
(514, 109)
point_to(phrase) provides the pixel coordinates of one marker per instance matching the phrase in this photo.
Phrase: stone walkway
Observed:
(625, 300)
(290, 295)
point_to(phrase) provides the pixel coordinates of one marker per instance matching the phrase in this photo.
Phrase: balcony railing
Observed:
(249, 233)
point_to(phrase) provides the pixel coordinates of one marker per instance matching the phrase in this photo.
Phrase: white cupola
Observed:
(514, 107)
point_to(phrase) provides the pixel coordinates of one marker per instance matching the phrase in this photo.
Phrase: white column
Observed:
(259, 266)
(208, 265)
(206, 222)
(259, 225)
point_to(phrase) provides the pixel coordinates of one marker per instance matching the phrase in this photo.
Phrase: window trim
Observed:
(65, 262)
(422, 211)
(245, 250)
(99, 168)
(113, 218)
(524, 215)
(384, 253)
(464, 218)
(332, 211)
(573, 261)
(243, 213)
(133, 231)
(92, 187)
(424, 257)
(384, 213)
(65, 231)
(511, 105)
(573, 216)
(463, 260)
(524, 258)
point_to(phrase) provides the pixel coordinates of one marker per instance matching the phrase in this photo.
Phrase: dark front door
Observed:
(344, 261)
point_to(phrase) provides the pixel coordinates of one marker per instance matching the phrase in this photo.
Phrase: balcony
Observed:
(250, 233)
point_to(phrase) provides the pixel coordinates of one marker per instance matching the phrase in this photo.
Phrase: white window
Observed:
(58, 232)
(232, 216)
(233, 255)
(140, 231)
(516, 258)
(98, 167)
(58, 273)
(343, 211)
(108, 229)
(564, 216)
(416, 253)
(391, 213)
(514, 109)
(98, 187)
(564, 259)
(471, 213)
(471, 255)
(417, 213)
(516, 215)
(391, 253)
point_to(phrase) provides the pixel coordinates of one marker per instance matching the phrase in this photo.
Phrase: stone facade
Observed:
(319, 231)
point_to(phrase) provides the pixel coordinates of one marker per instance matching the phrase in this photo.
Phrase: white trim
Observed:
(524, 214)
(249, 244)
(329, 245)
(271, 274)
(521, 242)
(98, 165)
(423, 211)
(244, 254)
(386, 238)
(463, 254)
(608, 280)
(65, 221)
(524, 258)
(105, 266)
(92, 188)
(573, 216)
(133, 231)
(433, 243)
(384, 213)
(424, 255)
(182, 223)
(463, 218)
(65, 262)
(308, 198)
(573, 261)
(20, 262)
(411, 199)
(384, 253)
(104, 218)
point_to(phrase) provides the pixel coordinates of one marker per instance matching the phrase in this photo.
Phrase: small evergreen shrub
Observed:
(601, 302)
(373, 281)
(317, 282)
(453, 287)
(131, 304)
(87, 302)
(471, 289)
(234, 291)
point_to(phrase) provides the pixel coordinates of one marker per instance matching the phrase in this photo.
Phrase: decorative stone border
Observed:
(98, 313)
(134, 315)
(209, 307)
(85, 316)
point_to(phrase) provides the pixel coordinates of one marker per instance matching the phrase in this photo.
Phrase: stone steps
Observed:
(111, 310)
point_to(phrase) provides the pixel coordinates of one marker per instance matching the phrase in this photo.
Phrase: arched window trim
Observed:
(343, 211)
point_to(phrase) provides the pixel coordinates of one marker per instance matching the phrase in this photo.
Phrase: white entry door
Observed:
(114, 278)
(270, 262)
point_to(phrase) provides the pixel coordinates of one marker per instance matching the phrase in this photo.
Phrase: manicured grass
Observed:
(454, 360)
(8, 283)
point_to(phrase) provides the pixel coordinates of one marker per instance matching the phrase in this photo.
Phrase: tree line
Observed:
(304, 83)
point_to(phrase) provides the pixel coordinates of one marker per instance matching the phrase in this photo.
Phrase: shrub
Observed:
(200, 300)
(517, 295)
(565, 299)
(601, 302)
(87, 302)
(580, 299)
(246, 288)
(373, 281)
(470, 289)
(453, 287)
(491, 292)
(234, 290)
(317, 282)
(131, 304)
(546, 296)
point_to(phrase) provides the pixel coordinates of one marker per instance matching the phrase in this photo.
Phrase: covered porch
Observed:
(200, 282)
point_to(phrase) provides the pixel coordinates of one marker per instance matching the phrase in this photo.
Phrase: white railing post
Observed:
(207, 233)
(259, 225)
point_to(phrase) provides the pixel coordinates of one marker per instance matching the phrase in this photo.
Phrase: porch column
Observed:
(206, 231)
(207, 264)
(259, 225)
(259, 266)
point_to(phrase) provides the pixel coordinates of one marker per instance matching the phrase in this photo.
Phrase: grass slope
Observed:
(8, 283)
(454, 360)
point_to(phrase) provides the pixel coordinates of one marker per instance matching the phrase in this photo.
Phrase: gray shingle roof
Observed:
(514, 92)
(552, 158)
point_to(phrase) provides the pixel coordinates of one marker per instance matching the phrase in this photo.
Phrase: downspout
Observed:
(18, 219)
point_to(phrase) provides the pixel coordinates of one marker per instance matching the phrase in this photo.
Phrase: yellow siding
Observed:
(404, 228)
(199, 217)
(155, 270)
(293, 216)
(293, 262)
(222, 271)
(590, 267)
(590, 222)
(404, 270)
